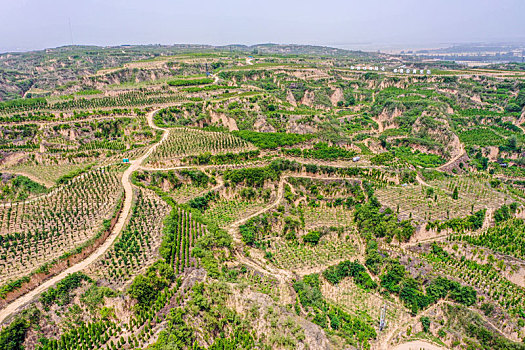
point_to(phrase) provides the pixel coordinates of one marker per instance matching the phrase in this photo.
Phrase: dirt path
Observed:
(232, 229)
(283, 276)
(385, 344)
(32, 177)
(34, 199)
(126, 208)
(260, 265)
(488, 219)
(208, 166)
(421, 181)
(519, 122)
(41, 124)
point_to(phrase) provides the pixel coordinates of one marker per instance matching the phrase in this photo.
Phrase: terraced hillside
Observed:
(197, 198)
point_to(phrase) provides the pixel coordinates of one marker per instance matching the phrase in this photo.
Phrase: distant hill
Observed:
(50, 68)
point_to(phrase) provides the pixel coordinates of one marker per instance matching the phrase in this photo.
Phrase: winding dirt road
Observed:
(25, 299)
(283, 276)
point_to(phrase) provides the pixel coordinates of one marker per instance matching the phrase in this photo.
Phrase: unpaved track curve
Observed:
(25, 299)
(385, 344)
(284, 277)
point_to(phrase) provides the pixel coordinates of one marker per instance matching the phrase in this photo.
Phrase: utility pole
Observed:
(382, 320)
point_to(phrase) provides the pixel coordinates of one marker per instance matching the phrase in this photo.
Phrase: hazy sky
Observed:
(36, 24)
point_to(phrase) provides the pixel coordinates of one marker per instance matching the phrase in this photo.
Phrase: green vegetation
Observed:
(190, 82)
(20, 188)
(334, 274)
(89, 92)
(61, 293)
(257, 176)
(489, 340)
(312, 237)
(425, 322)
(22, 104)
(397, 281)
(12, 337)
(268, 140)
(255, 229)
(371, 222)
(225, 158)
(471, 222)
(481, 137)
(506, 238)
(505, 212)
(146, 287)
(322, 151)
(170, 278)
(384, 158)
(180, 233)
(353, 329)
(418, 158)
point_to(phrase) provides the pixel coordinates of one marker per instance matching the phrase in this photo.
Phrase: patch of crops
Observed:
(36, 232)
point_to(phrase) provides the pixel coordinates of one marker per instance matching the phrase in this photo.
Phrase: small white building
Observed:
(356, 159)
(395, 70)
(428, 71)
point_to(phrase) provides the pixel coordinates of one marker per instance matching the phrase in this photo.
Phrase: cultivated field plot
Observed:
(361, 303)
(186, 192)
(293, 256)
(182, 231)
(261, 283)
(104, 133)
(224, 211)
(47, 174)
(323, 215)
(137, 247)
(473, 194)
(182, 142)
(116, 157)
(484, 277)
(36, 232)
